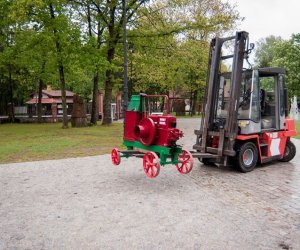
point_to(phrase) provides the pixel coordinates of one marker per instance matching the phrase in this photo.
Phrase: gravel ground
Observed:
(87, 203)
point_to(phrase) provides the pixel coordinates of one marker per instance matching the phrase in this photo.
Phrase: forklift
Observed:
(244, 113)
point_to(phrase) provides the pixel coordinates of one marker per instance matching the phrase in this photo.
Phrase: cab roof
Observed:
(271, 71)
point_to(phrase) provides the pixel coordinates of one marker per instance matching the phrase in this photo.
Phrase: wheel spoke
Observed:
(183, 155)
(147, 158)
(152, 171)
(147, 168)
(186, 168)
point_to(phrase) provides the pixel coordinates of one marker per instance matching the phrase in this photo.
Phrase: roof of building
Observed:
(53, 96)
(54, 93)
(57, 93)
(49, 100)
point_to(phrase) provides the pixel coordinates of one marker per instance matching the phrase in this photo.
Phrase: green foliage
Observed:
(170, 40)
(274, 51)
(297, 129)
(267, 83)
(287, 55)
(264, 52)
(171, 47)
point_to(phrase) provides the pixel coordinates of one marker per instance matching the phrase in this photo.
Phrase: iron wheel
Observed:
(151, 164)
(187, 162)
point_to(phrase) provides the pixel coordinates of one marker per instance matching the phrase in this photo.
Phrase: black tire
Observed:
(246, 157)
(290, 151)
(207, 161)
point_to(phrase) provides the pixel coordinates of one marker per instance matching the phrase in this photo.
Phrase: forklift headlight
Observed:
(243, 123)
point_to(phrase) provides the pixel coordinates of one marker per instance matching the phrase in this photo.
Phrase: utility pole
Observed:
(125, 86)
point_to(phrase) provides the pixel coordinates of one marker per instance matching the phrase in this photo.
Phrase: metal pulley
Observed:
(145, 131)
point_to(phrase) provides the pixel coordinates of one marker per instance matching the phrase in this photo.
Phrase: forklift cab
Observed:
(262, 102)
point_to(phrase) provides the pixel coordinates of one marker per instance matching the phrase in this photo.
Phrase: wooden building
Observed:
(51, 103)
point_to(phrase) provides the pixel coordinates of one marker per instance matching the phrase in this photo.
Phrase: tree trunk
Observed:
(39, 106)
(40, 94)
(61, 70)
(89, 18)
(95, 111)
(191, 103)
(194, 102)
(94, 114)
(11, 112)
(63, 95)
(107, 98)
(107, 119)
(130, 83)
(125, 79)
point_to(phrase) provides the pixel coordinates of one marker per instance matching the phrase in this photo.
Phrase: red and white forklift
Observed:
(244, 114)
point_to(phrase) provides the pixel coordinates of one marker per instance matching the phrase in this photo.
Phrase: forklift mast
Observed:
(212, 126)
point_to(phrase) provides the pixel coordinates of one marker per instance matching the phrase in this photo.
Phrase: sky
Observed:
(269, 17)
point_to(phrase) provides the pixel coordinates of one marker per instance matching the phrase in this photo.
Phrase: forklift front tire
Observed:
(290, 152)
(207, 161)
(246, 157)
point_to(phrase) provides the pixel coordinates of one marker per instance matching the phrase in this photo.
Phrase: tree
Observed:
(264, 53)
(112, 15)
(90, 13)
(28, 42)
(7, 62)
(274, 51)
(107, 18)
(50, 18)
(287, 55)
(171, 47)
(68, 43)
(61, 69)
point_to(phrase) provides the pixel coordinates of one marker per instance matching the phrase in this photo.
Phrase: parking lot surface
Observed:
(87, 203)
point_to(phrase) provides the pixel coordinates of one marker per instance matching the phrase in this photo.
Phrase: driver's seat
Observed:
(262, 101)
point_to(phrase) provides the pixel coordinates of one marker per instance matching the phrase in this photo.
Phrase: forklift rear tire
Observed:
(290, 152)
(246, 157)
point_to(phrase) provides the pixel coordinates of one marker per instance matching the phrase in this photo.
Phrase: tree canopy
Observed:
(77, 45)
(287, 55)
(275, 51)
(264, 53)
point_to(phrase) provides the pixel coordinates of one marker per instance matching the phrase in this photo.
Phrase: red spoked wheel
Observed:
(186, 162)
(115, 156)
(151, 164)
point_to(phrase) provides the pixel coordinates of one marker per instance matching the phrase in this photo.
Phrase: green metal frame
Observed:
(135, 103)
(164, 152)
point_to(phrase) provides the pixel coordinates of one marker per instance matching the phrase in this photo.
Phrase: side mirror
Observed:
(250, 48)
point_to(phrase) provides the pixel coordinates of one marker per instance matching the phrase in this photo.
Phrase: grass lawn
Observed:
(298, 130)
(32, 142)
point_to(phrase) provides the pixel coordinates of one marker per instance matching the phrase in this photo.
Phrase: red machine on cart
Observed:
(150, 132)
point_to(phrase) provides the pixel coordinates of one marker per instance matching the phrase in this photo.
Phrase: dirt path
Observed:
(87, 203)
